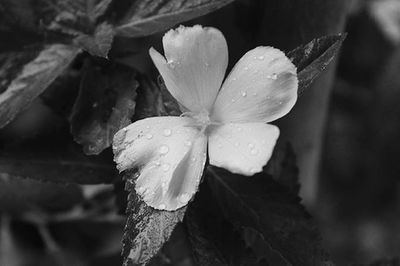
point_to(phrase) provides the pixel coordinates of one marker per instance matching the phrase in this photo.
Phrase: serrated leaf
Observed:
(214, 241)
(99, 43)
(55, 160)
(18, 195)
(312, 58)
(105, 104)
(147, 229)
(270, 219)
(30, 80)
(150, 16)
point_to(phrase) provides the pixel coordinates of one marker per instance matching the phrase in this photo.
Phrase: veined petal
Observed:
(194, 65)
(170, 157)
(242, 148)
(262, 87)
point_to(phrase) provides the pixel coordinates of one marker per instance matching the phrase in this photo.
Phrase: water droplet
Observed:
(254, 152)
(167, 132)
(164, 185)
(233, 79)
(164, 149)
(147, 127)
(246, 68)
(185, 197)
(244, 94)
(149, 136)
(125, 129)
(261, 57)
(140, 190)
(253, 170)
(166, 167)
(188, 143)
(161, 206)
(172, 64)
(273, 76)
(251, 145)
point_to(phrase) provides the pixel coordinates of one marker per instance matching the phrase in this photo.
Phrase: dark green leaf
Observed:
(18, 195)
(270, 219)
(24, 83)
(283, 167)
(56, 161)
(105, 104)
(147, 229)
(98, 43)
(312, 58)
(151, 16)
(154, 100)
(214, 240)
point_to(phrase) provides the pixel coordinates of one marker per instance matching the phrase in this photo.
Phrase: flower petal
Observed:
(170, 157)
(262, 87)
(195, 65)
(242, 148)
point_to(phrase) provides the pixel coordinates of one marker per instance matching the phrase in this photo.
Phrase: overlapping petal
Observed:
(262, 87)
(242, 148)
(170, 156)
(194, 65)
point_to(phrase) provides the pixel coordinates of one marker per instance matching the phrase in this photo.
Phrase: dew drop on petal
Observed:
(167, 132)
(244, 94)
(166, 167)
(161, 206)
(147, 127)
(185, 197)
(188, 143)
(164, 149)
(261, 57)
(254, 152)
(149, 136)
(246, 68)
(140, 190)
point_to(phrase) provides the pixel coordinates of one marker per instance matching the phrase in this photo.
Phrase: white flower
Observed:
(170, 152)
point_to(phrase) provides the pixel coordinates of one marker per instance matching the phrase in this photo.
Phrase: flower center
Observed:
(201, 120)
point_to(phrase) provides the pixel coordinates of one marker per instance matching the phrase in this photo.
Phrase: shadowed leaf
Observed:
(18, 195)
(269, 218)
(151, 16)
(98, 43)
(57, 161)
(312, 58)
(105, 104)
(25, 82)
(147, 229)
(214, 241)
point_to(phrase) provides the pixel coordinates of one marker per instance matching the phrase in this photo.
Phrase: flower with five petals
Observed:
(230, 120)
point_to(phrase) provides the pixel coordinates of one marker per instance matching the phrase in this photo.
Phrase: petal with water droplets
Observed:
(242, 148)
(261, 87)
(169, 155)
(194, 65)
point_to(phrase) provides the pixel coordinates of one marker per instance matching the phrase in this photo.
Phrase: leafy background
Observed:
(74, 72)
